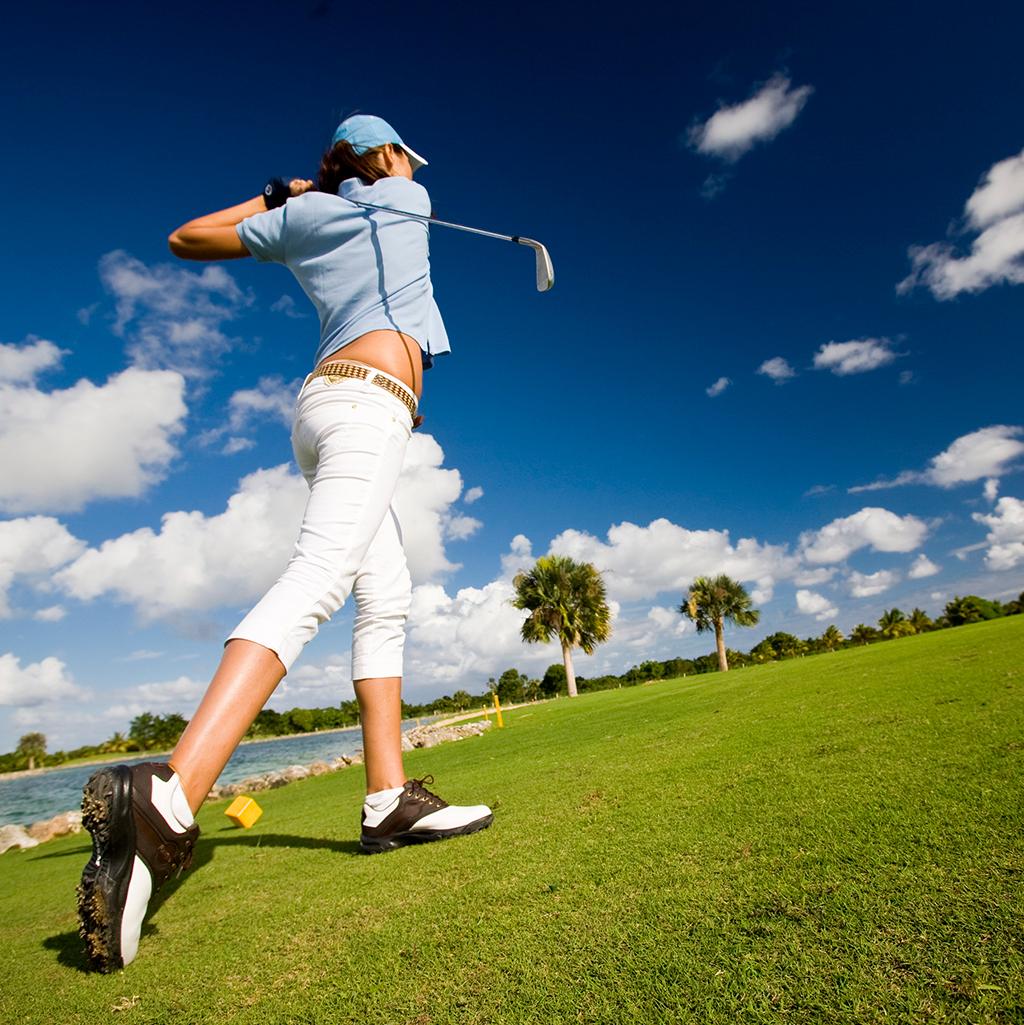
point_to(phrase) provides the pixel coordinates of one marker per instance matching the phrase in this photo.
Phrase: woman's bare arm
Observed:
(213, 236)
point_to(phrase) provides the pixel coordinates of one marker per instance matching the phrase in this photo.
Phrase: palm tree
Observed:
(894, 624)
(920, 621)
(711, 601)
(863, 634)
(117, 744)
(566, 600)
(832, 638)
(963, 610)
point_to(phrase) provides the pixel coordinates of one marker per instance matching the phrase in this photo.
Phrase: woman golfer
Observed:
(367, 272)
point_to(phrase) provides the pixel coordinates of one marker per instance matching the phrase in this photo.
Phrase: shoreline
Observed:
(121, 755)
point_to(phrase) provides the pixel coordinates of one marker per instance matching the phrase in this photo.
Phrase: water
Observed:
(27, 799)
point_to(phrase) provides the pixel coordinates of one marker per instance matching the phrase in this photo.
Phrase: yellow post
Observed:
(497, 710)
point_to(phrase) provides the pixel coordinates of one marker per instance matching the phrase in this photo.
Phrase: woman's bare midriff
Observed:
(391, 351)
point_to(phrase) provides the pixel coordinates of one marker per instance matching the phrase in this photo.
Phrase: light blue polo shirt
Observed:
(363, 270)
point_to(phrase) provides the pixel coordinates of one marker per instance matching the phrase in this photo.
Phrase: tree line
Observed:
(566, 603)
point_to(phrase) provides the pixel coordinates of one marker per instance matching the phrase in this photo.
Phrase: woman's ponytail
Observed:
(341, 161)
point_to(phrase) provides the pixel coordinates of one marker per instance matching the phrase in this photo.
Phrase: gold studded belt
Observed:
(336, 371)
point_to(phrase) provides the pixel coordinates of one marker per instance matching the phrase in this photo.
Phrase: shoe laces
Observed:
(418, 791)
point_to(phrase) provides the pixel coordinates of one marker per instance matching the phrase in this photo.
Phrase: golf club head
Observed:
(545, 271)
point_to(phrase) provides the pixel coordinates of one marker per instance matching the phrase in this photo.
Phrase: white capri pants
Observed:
(349, 440)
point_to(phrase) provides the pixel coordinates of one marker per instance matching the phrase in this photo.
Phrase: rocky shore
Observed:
(15, 837)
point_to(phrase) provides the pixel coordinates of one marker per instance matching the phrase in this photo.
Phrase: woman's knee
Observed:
(379, 601)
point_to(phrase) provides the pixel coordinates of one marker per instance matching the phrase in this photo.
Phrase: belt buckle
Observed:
(332, 378)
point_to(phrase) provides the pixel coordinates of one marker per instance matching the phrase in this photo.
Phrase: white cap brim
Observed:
(414, 158)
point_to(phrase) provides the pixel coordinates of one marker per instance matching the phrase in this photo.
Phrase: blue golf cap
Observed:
(364, 131)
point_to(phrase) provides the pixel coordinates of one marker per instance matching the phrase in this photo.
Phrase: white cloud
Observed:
(987, 452)
(316, 683)
(1000, 194)
(36, 683)
(813, 604)
(474, 632)
(140, 655)
(922, 567)
(642, 562)
(996, 255)
(856, 357)
(235, 445)
(62, 449)
(519, 557)
(1005, 538)
(879, 529)
(272, 397)
(196, 562)
(636, 637)
(666, 619)
(51, 614)
(172, 316)
(777, 368)
(473, 495)
(165, 697)
(732, 131)
(812, 577)
(426, 491)
(22, 364)
(86, 312)
(864, 585)
(286, 305)
(718, 387)
(984, 453)
(32, 548)
(458, 527)
(991, 491)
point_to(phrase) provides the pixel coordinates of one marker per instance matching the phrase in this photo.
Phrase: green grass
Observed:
(830, 839)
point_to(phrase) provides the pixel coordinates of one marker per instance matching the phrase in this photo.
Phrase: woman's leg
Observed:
(246, 677)
(383, 594)
(397, 811)
(380, 712)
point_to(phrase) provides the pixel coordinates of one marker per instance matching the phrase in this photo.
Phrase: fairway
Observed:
(829, 839)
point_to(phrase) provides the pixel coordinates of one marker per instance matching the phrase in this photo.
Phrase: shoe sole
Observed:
(383, 844)
(107, 815)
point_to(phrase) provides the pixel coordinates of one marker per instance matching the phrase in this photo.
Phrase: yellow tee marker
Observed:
(243, 811)
(497, 711)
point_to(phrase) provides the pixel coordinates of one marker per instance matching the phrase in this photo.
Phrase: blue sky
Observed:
(825, 209)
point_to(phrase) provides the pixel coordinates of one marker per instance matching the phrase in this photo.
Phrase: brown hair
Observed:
(341, 161)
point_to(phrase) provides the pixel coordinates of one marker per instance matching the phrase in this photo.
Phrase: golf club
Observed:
(545, 271)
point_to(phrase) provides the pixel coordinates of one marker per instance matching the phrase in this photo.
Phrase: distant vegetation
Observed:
(150, 732)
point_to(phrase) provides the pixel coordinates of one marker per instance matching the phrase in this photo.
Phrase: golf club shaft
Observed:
(545, 272)
(435, 220)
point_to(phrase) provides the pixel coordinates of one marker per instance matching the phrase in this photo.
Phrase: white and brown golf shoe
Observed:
(412, 814)
(142, 834)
